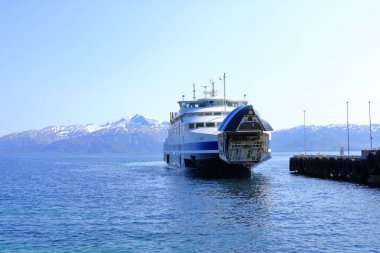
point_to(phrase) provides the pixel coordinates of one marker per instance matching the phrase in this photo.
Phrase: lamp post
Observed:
(304, 129)
(370, 123)
(348, 133)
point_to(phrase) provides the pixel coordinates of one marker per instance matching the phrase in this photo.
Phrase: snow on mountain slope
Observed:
(58, 136)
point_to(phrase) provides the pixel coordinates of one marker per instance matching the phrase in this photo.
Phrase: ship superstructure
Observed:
(216, 133)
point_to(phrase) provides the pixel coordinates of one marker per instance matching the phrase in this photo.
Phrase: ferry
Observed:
(217, 134)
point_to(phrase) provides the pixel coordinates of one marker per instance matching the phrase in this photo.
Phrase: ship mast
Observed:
(194, 91)
(213, 91)
(205, 92)
(224, 89)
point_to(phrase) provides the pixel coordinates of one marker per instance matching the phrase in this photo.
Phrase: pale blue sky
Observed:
(77, 62)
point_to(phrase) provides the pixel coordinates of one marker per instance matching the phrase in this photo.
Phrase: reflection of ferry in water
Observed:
(216, 134)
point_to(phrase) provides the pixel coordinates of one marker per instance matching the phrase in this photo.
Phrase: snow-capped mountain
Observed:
(128, 134)
(133, 121)
(325, 138)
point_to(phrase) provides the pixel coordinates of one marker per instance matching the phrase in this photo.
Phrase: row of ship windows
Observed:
(210, 103)
(200, 114)
(204, 114)
(201, 124)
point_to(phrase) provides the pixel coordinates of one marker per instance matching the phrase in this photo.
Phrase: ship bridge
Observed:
(189, 105)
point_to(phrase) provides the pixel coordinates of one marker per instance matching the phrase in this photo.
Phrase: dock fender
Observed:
(331, 166)
(312, 166)
(301, 165)
(363, 171)
(325, 167)
(338, 168)
(342, 169)
(306, 168)
(377, 162)
(295, 162)
(291, 164)
(310, 170)
(348, 172)
(298, 163)
(371, 162)
(343, 173)
(356, 170)
(317, 170)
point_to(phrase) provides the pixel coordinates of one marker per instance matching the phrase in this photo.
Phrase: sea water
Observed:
(120, 203)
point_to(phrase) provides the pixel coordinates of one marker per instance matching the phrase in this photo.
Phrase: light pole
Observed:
(304, 129)
(370, 123)
(348, 134)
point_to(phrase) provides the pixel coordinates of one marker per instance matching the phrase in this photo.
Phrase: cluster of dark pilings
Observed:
(363, 169)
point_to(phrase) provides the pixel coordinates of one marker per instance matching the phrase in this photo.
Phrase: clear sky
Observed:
(78, 62)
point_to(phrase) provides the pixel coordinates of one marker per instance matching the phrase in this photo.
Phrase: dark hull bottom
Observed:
(216, 168)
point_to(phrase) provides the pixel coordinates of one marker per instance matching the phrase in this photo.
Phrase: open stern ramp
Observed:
(243, 137)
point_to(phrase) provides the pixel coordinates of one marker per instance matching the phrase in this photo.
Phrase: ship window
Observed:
(188, 105)
(197, 125)
(190, 115)
(191, 125)
(217, 113)
(208, 113)
(200, 114)
(210, 124)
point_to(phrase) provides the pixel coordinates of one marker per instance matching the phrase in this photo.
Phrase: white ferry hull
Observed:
(239, 143)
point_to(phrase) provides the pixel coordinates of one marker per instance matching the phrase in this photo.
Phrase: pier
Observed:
(363, 169)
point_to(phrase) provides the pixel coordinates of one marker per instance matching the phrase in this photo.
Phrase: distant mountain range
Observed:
(325, 138)
(138, 134)
(130, 134)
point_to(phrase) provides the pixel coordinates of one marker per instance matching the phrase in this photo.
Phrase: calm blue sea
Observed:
(117, 203)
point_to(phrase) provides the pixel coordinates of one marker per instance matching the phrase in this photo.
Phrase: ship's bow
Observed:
(244, 138)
